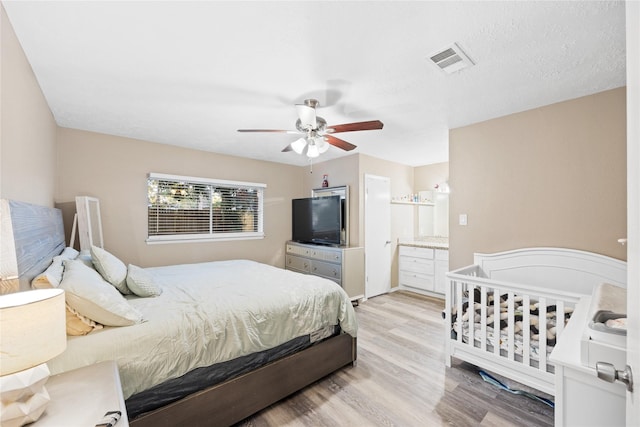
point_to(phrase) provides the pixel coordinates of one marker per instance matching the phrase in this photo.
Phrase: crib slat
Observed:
(526, 330)
(458, 325)
(510, 327)
(483, 318)
(496, 321)
(559, 318)
(542, 340)
(472, 316)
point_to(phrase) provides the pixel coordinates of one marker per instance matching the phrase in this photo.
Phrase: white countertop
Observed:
(425, 242)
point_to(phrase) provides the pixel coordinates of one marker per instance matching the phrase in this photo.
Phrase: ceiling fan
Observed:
(317, 134)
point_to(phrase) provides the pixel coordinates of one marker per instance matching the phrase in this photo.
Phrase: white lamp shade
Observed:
(33, 325)
(322, 145)
(298, 145)
(312, 151)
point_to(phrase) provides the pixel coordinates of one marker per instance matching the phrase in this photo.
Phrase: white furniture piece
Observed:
(343, 265)
(554, 278)
(88, 222)
(423, 270)
(82, 397)
(581, 397)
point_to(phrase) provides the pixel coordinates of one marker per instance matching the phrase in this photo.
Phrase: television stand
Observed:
(344, 265)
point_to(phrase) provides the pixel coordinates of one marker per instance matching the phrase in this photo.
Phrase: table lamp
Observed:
(32, 331)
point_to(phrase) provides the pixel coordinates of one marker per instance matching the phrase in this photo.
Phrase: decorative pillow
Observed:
(111, 268)
(86, 259)
(140, 282)
(91, 296)
(69, 253)
(51, 277)
(77, 324)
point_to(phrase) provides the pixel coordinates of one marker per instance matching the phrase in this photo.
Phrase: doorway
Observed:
(377, 235)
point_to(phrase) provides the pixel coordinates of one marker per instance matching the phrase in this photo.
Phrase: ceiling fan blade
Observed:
(337, 142)
(307, 116)
(350, 127)
(269, 130)
(287, 148)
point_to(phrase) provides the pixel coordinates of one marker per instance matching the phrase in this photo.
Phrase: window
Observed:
(182, 208)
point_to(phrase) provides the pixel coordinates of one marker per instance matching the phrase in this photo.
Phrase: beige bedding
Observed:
(210, 313)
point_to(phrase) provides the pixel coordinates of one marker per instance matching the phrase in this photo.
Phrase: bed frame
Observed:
(550, 276)
(32, 235)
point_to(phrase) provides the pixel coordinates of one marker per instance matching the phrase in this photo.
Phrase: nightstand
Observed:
(82, 396)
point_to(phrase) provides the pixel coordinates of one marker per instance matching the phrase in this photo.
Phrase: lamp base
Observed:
(23, 396)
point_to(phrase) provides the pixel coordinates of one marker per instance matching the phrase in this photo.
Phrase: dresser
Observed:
(423, 269)
(343, 265)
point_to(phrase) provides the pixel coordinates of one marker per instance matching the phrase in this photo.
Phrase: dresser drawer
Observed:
(417, 265)
(326, 255)
(417, 280)
(297, 263)
(416, 252)
(297, 250)
(325, 269)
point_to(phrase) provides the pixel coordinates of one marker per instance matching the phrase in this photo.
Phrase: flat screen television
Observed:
(317, 220)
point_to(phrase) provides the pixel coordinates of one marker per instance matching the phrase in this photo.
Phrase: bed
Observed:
(504, 312)
(218, 342)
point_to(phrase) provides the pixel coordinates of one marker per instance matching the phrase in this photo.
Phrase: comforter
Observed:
(210, 313)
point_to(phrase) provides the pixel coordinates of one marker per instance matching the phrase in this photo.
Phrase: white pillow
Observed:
(140, 282)
(51, 277)
(69, 253)
(88, 293)
(111, 268)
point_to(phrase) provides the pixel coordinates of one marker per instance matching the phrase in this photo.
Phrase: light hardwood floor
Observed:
(400, 379)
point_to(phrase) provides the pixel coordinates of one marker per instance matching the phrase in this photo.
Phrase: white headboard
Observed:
(30, 236)
(556, 268)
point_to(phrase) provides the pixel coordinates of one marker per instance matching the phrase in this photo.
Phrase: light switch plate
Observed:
(463, 219)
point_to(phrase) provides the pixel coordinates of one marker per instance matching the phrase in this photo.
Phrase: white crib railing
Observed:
(493, 347)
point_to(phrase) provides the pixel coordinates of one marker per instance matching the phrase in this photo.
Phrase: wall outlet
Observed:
(462, 219)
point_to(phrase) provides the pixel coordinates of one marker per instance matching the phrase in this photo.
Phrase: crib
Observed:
(505, 312)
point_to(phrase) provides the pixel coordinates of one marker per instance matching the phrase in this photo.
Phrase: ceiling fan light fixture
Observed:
(298, 145)
(312, 151)
(322, 145)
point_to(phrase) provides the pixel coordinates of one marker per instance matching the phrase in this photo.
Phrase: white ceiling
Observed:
(192, 73)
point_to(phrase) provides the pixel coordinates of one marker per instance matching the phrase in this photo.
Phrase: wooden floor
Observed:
(400, 379)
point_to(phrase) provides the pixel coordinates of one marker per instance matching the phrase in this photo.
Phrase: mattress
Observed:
(210, 313)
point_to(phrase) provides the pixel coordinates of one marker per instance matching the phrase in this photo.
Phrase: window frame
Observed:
(211, 236)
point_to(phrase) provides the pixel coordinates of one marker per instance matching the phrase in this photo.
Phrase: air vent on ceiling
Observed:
(451, 59)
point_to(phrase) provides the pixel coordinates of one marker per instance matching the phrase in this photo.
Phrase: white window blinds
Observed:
(184, 208)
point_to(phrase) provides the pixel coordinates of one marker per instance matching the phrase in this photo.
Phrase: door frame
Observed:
(633, 207)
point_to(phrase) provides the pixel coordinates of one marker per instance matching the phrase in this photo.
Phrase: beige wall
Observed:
(427, 177)
(342, 171)
(553, 176)
(114, 169)
(27, 127)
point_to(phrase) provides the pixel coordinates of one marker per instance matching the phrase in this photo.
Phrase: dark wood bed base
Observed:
(234, 400)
